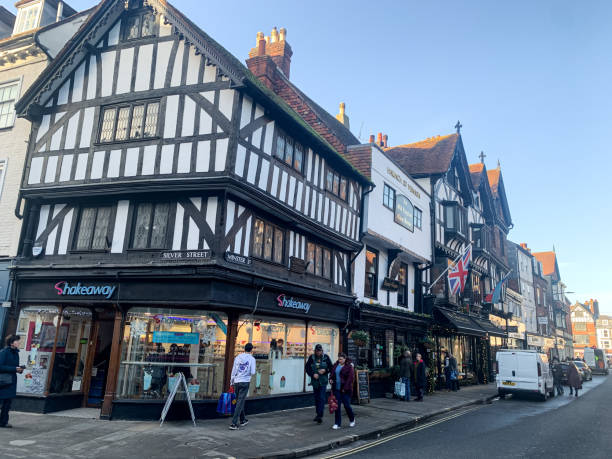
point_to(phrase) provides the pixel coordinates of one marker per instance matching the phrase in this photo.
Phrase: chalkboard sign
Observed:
(352, 351)
(363, 386)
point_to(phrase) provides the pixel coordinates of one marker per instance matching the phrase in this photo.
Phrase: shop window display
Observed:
(160, 343)
(279, 351)
(327, 336)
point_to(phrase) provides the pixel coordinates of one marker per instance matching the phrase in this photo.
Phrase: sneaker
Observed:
(335, 427)
(244, 423)
(316, 419)
(233, 427)
(6, 426)
(319, 421)
(352, 424)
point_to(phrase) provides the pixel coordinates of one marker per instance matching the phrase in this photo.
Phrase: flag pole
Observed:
(447, 268)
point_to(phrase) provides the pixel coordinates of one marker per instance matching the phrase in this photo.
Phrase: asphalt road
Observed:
(564, 426)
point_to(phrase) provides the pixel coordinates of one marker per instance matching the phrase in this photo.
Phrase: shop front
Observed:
(120, 343)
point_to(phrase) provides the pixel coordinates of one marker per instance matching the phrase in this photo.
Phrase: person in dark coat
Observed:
(420, 379)
(318, 367)
(406, 373)
(9, 364)
(557, 372)
(454, 372)
(341, 379)
(574, 379)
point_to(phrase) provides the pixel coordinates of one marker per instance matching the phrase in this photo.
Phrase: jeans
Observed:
(343, 399)
(419, 393)
(559, 388)
(4, 415)
(242, 389)
(406, 382)
(572, 389)
(319, 396)
(447, 376)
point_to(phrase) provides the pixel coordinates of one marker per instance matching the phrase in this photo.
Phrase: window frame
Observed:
(17, 83)
(274, 229)
(109, 230)
(336, 180)
(403, 287)
(131, 105)
(140, 13)
(373, 284)
(386, 196)
(169, 227)
(20, 19)
(319, 248)
(418, 218)
(288, 140)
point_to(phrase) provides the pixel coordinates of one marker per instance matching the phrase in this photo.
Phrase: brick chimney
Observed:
(276, 48)
(343, 117)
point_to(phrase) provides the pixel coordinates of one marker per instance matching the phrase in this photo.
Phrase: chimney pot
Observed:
(371, 138)
(379, 139)
(283, 34)
(342, 107)
(260, 36)
(261, 47)
(274, 35)
(385, 138)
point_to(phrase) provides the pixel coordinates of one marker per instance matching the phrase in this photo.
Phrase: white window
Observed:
(27, 18)
(606, 334)
(8, 97)
(604, 321)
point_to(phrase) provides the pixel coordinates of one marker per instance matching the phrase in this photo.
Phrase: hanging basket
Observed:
(360, 338)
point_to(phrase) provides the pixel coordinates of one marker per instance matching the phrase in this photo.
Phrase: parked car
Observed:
(585, 371)
(523, 371)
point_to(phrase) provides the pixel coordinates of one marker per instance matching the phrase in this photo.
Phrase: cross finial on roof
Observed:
(498, 164)
(458, 126)
(482, 156)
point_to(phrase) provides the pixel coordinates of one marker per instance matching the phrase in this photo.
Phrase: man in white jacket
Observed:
(242, 371)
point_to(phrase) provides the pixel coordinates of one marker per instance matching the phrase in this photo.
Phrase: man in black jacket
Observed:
(9, 365)
(318, 367)
(406, 373)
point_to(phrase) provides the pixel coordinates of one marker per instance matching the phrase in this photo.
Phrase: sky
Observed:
(529, 81)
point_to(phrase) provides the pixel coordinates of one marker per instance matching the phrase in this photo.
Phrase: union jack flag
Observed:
(457, 275)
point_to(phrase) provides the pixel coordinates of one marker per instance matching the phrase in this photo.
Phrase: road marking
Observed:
(400, 434)
(21, 442)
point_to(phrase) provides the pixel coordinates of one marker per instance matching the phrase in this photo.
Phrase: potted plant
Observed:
(360, 338)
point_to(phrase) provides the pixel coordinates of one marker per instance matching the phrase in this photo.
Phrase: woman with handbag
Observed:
(341, 379)
(9, 367)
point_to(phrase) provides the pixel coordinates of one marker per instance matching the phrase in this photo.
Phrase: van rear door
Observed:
(527, 371)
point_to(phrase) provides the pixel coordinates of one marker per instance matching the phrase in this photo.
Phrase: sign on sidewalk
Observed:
(181, 382)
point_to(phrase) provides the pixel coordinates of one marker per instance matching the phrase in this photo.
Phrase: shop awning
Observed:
(459, 321)
(488, 327)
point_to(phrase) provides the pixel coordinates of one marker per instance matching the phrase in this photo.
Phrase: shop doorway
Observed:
(97, 363)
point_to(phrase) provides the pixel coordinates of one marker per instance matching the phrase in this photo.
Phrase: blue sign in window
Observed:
(176, 337)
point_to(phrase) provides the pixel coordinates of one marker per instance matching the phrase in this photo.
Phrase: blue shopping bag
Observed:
(227, 403)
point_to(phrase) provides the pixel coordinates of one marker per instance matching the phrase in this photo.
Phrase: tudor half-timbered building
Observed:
(458, 217)
(175, 209)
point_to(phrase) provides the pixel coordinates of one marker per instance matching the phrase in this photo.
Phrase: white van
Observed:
(522, 371)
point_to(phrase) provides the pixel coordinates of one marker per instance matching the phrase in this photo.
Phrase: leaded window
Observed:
(290, 152)
(93, 229)
(129, 122)
(318, 260)
(402, 292)
(268, 241)
(335, 184)
(140, 26)
(8, 97)
(151, 226)
(371, 274)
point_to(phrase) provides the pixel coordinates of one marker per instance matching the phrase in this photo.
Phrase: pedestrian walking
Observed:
(420, 378)
(573, 378)
(318, 367)
(454, 375)
(341, 379)
(406, 373)
(447, 372)
(9, 367)
(242, 371)
(557, 372)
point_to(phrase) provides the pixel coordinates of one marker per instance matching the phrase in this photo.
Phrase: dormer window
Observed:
(28, 18)
(140, 26)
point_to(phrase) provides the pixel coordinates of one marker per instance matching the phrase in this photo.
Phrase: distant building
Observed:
(583, 328)
(603, 325)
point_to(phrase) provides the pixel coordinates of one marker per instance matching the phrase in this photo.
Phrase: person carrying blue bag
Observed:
(242, 371)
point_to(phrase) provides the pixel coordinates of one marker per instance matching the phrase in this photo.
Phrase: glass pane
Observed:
(280, 146)
(148, 25)
(133, 27)
(289, 152)
(160, 226)
(278, 245)
(122, 123)
(319, 261)
(101, 229)
(268, 242)
(336, 189)
(329, 184)
(343, 189)
(137, 118)
(108, 125)
(86, 226)
(326, 264)
(143, 225)
(298, 158)
(150, 128)
(310, 258)
(160, 343)
(258, 238)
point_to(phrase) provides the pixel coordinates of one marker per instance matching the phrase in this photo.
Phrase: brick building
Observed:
(583, 327)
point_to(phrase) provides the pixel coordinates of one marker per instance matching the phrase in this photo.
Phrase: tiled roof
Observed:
(548, 260)
(494, 179)
(361, 158)
(476, 174)
(429, 156)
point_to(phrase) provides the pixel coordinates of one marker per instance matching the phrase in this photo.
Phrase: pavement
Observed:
(517, 427)
(280, 434)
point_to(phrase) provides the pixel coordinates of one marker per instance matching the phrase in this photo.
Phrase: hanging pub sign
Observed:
(389, 284)
(236, 258)
(404, 212)
(182, 255)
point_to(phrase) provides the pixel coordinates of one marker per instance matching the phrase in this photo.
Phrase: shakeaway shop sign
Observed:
(290, 303)
(64, 288)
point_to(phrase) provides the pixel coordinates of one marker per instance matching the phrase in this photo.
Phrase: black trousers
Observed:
(4, 414)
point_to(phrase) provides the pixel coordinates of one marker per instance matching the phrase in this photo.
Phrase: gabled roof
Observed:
(427, 157)
(549, 262)
(498, 190)
(108, 11)
(478, 172)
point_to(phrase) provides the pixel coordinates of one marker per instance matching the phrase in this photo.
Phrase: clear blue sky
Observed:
(529, 80)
